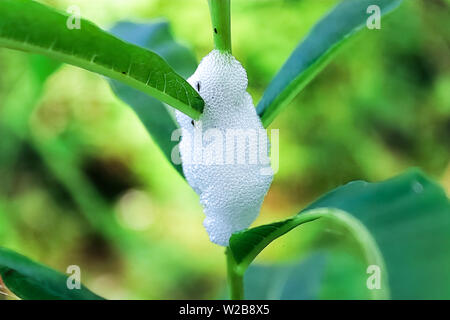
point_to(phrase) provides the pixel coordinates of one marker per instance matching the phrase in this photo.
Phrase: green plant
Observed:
(360, 208)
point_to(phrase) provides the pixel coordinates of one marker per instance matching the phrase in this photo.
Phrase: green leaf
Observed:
(32, 281)
(401, 225)
(323, 274)
(157, 118)
(30, 26)
(300, 280)
(315, 52)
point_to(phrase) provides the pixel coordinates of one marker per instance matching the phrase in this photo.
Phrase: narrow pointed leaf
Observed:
(315, 52)
(30, 26)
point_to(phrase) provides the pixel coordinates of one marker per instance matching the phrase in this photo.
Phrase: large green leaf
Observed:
(157, 118)
(315, 52)
(32, 281)
(401, 225)
(30, 26)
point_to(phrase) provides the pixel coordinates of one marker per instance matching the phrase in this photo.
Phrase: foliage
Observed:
(400, 224)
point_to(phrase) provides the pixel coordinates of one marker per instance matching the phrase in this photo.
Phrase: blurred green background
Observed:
(81, 181)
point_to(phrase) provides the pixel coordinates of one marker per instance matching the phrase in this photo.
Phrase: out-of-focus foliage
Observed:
(82, 183)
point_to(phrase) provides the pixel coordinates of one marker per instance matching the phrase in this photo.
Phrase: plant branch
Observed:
(221, 23)
(235, 279)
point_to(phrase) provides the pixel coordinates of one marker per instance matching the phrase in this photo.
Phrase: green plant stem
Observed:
(235, 279)
(221, 23)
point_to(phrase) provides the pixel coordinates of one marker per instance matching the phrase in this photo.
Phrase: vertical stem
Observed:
(235, 280)
(221, 23)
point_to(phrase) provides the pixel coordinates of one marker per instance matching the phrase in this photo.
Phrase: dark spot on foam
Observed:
(215, 30)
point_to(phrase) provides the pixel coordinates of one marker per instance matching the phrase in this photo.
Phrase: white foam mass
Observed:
(231, 193)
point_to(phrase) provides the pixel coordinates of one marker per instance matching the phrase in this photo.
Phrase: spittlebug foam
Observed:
(222, 171)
